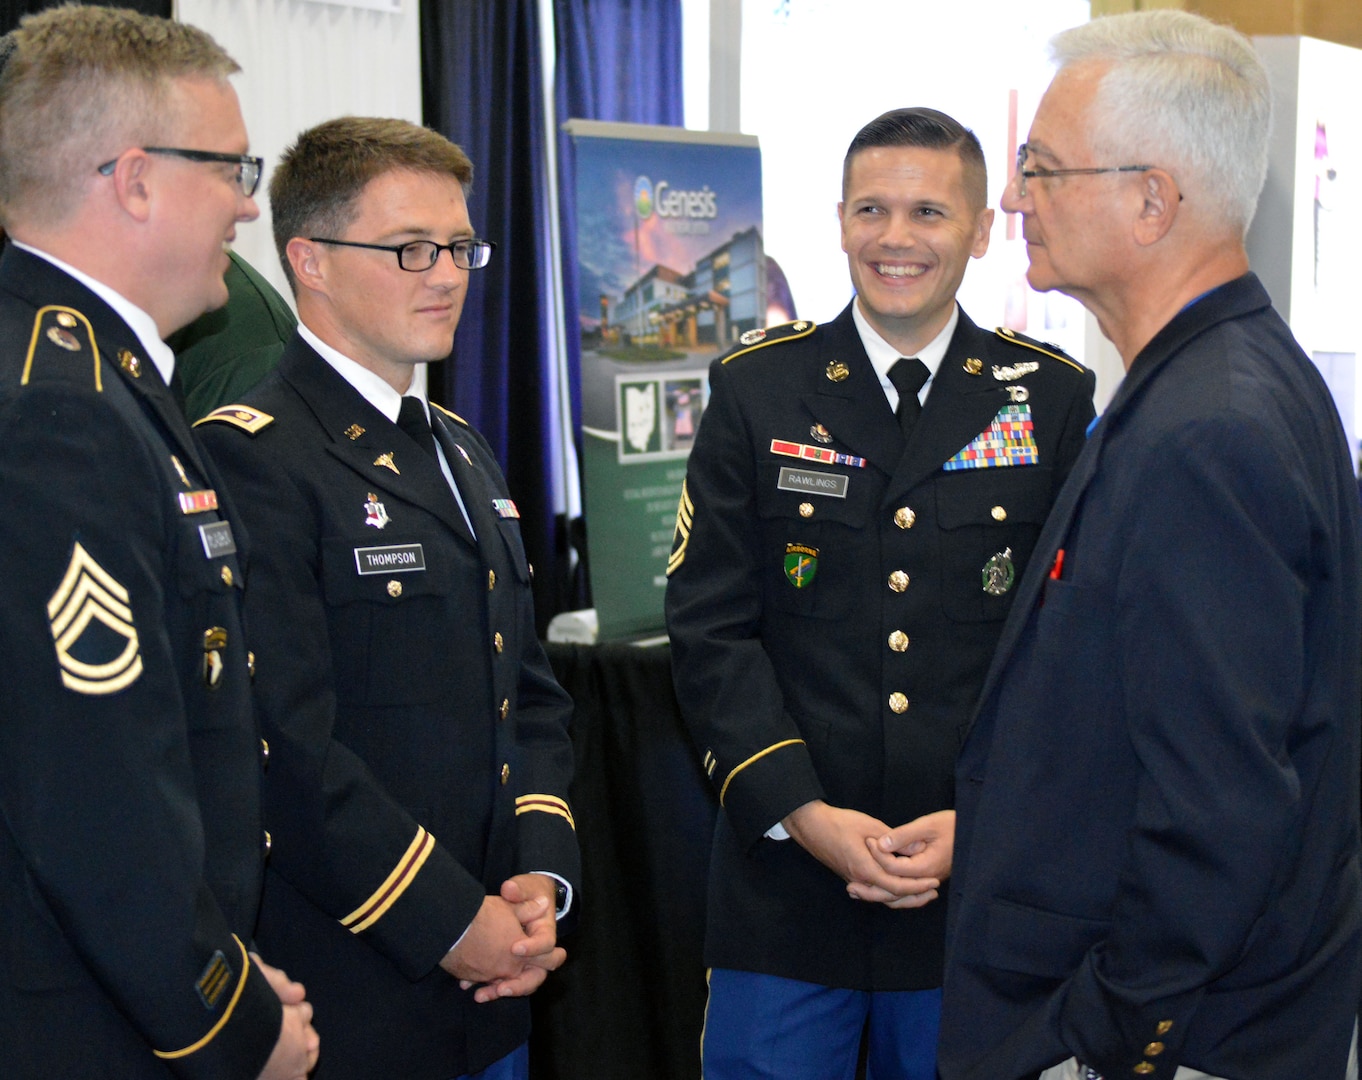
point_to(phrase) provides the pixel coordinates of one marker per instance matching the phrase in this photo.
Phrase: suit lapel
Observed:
(477, 497)
(367, 441)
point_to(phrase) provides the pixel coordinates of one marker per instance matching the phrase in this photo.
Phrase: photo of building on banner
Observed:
(671, 273)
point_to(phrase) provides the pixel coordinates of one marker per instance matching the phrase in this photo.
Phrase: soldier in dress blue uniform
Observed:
(131, 840)
(424, 847)
(860, 501)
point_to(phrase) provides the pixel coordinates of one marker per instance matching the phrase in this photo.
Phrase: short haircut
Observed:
(317, 183)
(82, 85)
(1184, 94)
(931, 130)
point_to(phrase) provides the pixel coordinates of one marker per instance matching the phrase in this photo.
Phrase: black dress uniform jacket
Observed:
(131, 847)
(419, 748)
(830, 646)
(1157, 849)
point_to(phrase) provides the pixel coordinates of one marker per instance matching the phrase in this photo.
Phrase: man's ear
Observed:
(306, 263)
(132, 187)
(1161, 201)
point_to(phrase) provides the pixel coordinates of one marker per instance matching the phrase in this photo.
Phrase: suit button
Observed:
(1143, 1069)
(898, 702)
(1165, 1026)
(269, 841)
(1154, 1049)
(394, 588)
(505, 774)
(498, 642)
(806, 510)
(998, 513)
(491, 580)
(264, 752)
(904, 517)
(898, 641)
(505, 709)
(898, 581)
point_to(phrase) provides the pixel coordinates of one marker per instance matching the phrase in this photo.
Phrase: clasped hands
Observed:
(512, 943)
(900, 867)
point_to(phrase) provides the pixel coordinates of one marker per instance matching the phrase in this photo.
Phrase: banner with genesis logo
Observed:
(671, 272)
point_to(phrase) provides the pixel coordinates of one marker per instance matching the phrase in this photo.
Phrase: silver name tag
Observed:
(217, 539)
(812, 483)
(393, 559)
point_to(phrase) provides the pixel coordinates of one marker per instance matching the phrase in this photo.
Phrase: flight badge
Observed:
(374, 512)
(999, 573)
(837, 371)
(214, 642)
(801, 564)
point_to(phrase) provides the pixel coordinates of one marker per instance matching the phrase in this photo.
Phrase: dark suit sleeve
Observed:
(97, 790)
(752, 749)
(339, 836)
(1211, 636)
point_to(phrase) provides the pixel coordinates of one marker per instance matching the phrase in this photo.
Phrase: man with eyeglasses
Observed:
(423, 843)
(132, 846)
(1157, 844)
(846, 549)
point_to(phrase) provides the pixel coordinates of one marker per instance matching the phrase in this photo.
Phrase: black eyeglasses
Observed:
(247, 168)
(419, 255)
(1024, 174)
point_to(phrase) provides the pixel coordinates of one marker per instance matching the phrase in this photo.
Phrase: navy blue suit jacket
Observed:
(1157, 845)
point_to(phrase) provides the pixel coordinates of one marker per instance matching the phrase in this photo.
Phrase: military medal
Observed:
(198, 502)
(801, 564)
(375, 514)
(505, 508)
(815, 453)
(999, 573)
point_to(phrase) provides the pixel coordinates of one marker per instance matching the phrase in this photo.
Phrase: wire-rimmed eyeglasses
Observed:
(1039, 173)
(248, 168)
(417, 256)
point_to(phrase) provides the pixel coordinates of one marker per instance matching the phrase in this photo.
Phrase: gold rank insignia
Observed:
(250, 420)
(70, 332)
(130, 363)
(97, 645)
(973, 366)
(386, 461)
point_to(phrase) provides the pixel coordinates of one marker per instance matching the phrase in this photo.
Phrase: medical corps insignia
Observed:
(801, 564)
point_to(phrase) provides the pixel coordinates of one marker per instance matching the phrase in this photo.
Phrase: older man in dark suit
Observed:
(850, 531)
(1157, 851)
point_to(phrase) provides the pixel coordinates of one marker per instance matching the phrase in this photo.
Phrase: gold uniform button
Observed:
(505, 774)
(491, 580)
(1154, 1049)
(498, 642)
(904, 517)
(998, 513)
(898, 581)
(1165, 1026)
(394, 588)
(265, 751)
(227, 576)
(1143, 1069)
(898, 641)
(806, 509)
(898, 702)
(250, 664)
(505, 709)
(269, 841)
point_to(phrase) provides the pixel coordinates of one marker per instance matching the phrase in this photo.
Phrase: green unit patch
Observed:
(801, 564)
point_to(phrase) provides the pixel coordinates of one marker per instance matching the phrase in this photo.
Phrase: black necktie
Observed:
(413, 420)
(908, 377)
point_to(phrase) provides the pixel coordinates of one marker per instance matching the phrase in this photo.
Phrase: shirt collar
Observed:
(139, 322)
(883, 356)
(373, 389)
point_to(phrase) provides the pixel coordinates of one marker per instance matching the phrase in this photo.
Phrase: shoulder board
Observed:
(1052, 351)
(451, 415)
(772, 335)
(252, 421)
(63, 347)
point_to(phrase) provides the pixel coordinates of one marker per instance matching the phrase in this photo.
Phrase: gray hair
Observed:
(81, 85)
(1185, 94)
